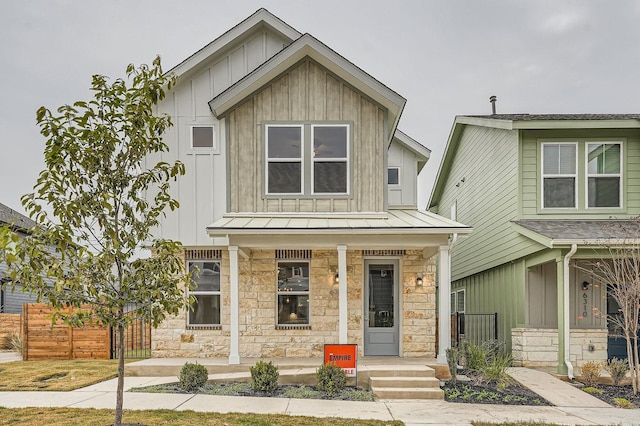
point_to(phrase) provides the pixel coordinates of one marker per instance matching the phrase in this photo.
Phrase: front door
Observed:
(381, 330)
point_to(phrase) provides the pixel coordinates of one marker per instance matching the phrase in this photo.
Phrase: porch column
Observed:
(234, 296)
(444, 307)
(560, 284)
(342, 294)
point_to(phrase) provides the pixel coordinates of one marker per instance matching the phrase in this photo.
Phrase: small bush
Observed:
(475, 357)
(264, 377)
(590, 373)
(331, 378)
(453, 359)
(192, 377)
(617, 368)
(14, 342)
(496, 370)
(623, 403)
(593, 391)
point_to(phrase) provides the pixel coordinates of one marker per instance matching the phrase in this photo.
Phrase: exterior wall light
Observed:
(337, 278)
(419, 281)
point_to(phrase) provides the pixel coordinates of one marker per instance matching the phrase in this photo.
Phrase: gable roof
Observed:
(309, 46)
(11, 217)
(261, 18)
(524, 122)
(421, 152)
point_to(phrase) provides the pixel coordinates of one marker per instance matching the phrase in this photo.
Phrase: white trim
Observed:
(619, 175)
(212, 148)
(397, 184)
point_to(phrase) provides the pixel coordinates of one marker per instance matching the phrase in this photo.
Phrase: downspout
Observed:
(567, 345)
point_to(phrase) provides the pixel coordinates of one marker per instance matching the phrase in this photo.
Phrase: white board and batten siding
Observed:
(404, 194)
(202, 192)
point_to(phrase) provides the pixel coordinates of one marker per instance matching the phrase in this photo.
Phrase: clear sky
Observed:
(445, 57)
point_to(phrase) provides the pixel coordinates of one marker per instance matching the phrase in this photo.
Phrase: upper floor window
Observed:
(307, 159)
(202, 137)
(393, 176)
(603, 174)
(559, 175)
(206, 307)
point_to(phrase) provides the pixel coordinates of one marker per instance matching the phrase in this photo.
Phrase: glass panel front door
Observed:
(381, 310)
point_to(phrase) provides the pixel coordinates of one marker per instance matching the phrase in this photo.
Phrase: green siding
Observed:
(530, 172)
(487, 200)
(498, 290)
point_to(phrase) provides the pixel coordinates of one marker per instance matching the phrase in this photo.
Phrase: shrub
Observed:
(623, 403)
(192, 377)
(475, 357)
(14, 342)
(496, 370)
(453, 359)
(331, 378)
(593, 391)
(264, 377)
(617, 368)
(590, 373)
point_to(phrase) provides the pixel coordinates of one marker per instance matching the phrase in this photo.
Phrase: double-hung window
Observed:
(293, 293)
(559, 175)
(307, 159)
(206, 306)
(603, 174)
(330, 159)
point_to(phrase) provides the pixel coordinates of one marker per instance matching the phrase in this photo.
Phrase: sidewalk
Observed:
(578, 411)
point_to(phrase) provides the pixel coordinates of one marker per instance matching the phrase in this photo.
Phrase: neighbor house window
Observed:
(284, 159)
(559, 174)
(307, 159)
(202, 137)
(393, 175)
(458, 301)
(603, 174)
(330, 159)
(206, 306)
(293, 293)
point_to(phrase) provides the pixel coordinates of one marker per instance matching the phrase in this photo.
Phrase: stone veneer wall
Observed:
(259, 335)
(538, 347)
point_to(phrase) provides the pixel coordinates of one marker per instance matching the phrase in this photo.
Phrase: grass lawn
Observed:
(77, 416)
(55, 375)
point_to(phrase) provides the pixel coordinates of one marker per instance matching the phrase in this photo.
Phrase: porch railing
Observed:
(473, 328)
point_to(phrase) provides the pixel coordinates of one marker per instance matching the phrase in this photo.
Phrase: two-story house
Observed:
(298, 206)
(541, 192)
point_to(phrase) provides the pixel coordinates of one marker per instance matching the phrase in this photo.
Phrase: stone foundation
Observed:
(537, 347)
(259, 336)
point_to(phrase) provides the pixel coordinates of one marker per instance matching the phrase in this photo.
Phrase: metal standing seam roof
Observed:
(393, 222)
(586, 231)
(547, 117)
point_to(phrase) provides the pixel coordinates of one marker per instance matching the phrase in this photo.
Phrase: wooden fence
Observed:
(42, 340)
(9, 324)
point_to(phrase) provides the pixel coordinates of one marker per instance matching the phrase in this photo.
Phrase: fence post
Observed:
(495, 326)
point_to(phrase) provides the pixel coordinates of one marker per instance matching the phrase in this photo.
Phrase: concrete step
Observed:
(401, 371)
(404, 382)
(407, 393)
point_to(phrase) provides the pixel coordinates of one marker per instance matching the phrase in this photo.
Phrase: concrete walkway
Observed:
(573, 409)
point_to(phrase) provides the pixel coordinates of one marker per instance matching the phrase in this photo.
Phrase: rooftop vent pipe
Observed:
(492, 100)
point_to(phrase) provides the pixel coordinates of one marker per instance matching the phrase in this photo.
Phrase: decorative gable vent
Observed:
(293, 254)
(202, 254)
(383, 252)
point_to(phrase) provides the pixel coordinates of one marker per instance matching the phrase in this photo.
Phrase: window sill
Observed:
(293, 327)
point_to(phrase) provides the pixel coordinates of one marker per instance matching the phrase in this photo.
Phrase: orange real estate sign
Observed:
(344, 356)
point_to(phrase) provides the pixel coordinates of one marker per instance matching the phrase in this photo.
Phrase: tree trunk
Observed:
(120, 390)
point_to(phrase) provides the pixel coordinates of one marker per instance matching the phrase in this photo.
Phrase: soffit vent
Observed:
(384, 252)
(202, 254)
(293, 254)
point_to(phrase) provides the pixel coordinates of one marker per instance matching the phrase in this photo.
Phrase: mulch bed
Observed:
(610, 392)
(488, 393)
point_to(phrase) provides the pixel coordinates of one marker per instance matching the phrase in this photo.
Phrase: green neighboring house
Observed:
(540, 191)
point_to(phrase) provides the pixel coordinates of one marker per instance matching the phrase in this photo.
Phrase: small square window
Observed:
(202, 137)
(393, 175)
